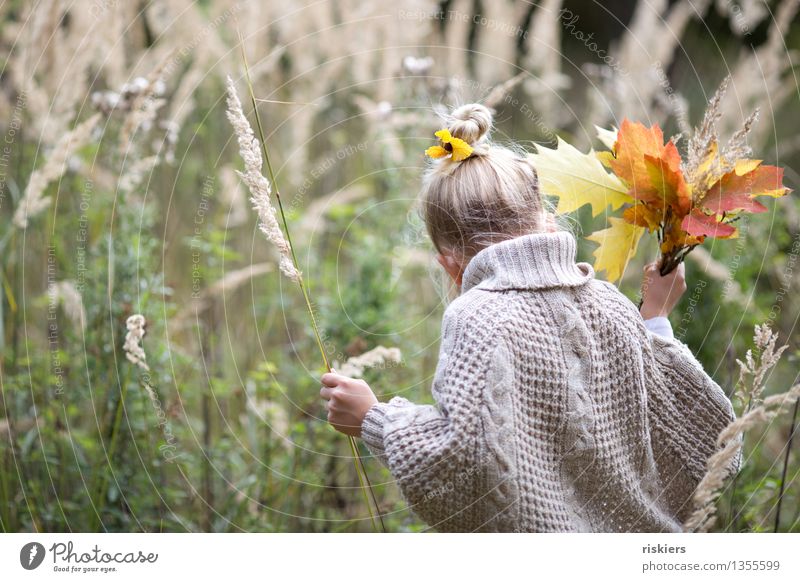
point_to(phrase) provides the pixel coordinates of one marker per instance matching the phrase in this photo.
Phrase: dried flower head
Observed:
(250, 151)
(380, 356)
(133, 341)
(123, 100)
(142, 96)
(417, 65)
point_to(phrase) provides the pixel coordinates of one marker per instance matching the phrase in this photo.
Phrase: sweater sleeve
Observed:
(660, 326)
(686, 412)
(437, 453)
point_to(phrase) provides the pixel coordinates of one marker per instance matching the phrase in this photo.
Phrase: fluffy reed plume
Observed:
(764, 74)
(65, 293)
(632, 82)
(417, 65)
(314, 216)
(133, 341)
(374, 358)
(33, 201)
(719, 465)
(749, 394)
(737, 146)
(135, 173)
(498, 93)
(743, 16)
(704, 142)
(250, 150)
(226, 285)
(260, 188)
(706, 133)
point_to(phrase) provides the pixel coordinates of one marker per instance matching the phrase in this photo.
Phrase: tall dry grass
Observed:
(142, 215)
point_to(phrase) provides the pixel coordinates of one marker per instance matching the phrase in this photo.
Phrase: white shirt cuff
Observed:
(659, 325)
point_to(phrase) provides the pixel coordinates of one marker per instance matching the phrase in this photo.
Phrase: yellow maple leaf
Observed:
(746, 166)
(576, 179)
(607, 136)
(605, 158)
(618, 244)
(713, 168)
(712, 158)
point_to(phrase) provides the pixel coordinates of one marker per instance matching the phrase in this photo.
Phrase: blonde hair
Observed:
(491, 196)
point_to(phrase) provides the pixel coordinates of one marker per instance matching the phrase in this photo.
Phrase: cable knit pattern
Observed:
(556, 409)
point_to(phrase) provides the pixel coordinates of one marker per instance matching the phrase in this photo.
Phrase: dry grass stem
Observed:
(226, 285)
(749, 394)
(260, 188)
(730, 441)
(498, 93)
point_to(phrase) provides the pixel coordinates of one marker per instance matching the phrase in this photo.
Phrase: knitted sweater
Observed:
(556, 409)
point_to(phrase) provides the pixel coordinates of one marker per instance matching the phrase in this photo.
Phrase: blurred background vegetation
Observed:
(117, 110)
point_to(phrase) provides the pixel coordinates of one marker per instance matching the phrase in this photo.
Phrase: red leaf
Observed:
(698, 223)
(733, 192)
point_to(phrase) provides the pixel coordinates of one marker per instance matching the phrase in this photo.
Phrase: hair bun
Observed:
(471, 122)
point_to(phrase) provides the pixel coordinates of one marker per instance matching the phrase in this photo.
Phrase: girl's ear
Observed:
(453, 267)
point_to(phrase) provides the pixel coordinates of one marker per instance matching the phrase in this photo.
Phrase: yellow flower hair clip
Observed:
(457, 148)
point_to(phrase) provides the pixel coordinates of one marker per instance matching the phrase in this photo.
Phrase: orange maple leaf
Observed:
(668, 184)
(642, 214)
(649, 167)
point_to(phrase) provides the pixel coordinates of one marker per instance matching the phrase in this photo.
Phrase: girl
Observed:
(557, 407)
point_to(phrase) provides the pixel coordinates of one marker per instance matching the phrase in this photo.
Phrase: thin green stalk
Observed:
(792, 429)
(5, 514)
(361, 471)
(733, 519)
(100, 492)
(366, 485)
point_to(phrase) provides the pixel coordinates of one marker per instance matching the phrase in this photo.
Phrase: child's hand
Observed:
(661, 294)
(349, 400)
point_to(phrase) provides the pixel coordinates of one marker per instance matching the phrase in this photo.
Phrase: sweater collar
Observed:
(533, 261)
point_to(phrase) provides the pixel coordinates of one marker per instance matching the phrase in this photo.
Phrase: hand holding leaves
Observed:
(682, 200)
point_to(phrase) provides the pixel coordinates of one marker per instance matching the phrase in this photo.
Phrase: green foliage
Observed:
(227, 431)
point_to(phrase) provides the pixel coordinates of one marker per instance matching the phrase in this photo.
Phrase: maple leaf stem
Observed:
(675, 257)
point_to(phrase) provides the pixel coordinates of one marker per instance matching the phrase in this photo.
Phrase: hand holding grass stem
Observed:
(261, 189)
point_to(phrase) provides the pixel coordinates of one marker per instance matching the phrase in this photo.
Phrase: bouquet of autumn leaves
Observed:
(683, 201)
